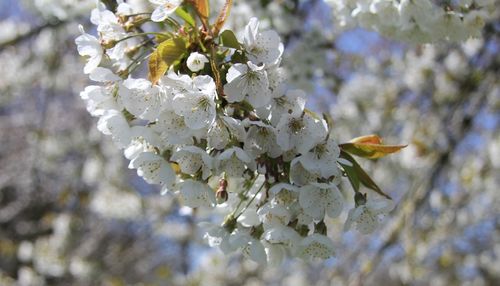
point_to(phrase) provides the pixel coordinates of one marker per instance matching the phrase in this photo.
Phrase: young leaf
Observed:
(357, 175)
(185, 16)
(221, 19)
(167, 53)
(203, 9)
(352, 176)
(228, 40)
(157, 67)
(370, 147)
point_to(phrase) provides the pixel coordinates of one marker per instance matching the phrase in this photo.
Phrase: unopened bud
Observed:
(221, 195)
(122, 18)
(130, 52)
(130, 23)
(108, 44)
(223, 183)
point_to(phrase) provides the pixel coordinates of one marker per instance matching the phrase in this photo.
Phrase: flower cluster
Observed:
(421, 21)
(215, 124)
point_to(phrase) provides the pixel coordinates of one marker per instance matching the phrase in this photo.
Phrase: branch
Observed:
(27, 35)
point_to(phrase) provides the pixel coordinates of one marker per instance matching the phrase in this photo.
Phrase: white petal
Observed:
(196, 194)
(317, 246)
(100, 74)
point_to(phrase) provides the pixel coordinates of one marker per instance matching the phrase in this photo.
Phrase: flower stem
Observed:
(244, 195)
(142, 34)
(251, 200)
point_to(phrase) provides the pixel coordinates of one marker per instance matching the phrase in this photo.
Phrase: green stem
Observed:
(244, 195)
(137, 61)
(140, 35)
(215, 71)
(138, 14)
(250, 202)
(174, 23)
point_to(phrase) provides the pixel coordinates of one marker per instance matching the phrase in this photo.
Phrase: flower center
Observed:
(204, 103)
(320, 150)
(296, 125)
(263, 131)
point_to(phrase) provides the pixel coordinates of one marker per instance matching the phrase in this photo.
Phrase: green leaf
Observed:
(168, 53)
(370, 147)
(358, 176)
(185, 16)
(351, 175)
(228, 39)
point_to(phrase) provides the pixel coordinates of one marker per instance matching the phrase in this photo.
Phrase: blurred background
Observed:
(72, 213)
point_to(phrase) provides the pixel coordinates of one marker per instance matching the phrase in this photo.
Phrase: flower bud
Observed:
(221, 195)
(130, 52)
(108, 44)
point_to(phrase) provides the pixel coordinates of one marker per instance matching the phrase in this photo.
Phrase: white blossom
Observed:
(260, 139)
(300, 134)
(247, 82)
(316, 246)
(223, 131)
(154, 169)
(114, 123)
(197, 106)
(141, 98)
(196, 61)
(299, 175)
(274, 215)
(317, 199)
(164, 8)
(142, 139)
(366, 217)
(217, 235)
(196, 194)
(234, 161)
(282, 235)
(100, 99)
(112, 32)
(108, 24)
(262, 47)
(292, 104)
(89, 46)
(276, 254)
(173, 129)
(100, 74)
(322, 160)
(251, 247)
(249, 217)
(191, 159)
(283, 194)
